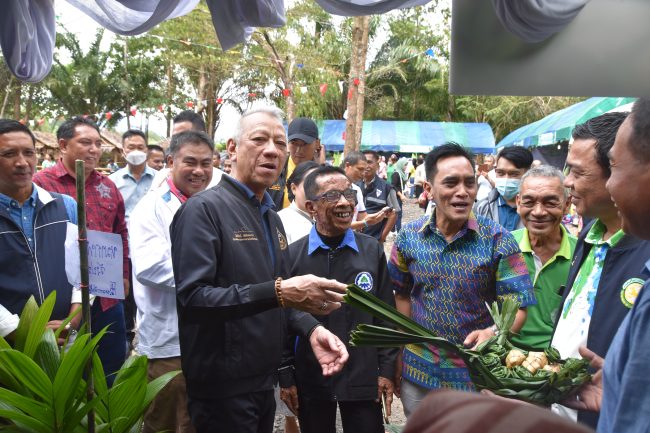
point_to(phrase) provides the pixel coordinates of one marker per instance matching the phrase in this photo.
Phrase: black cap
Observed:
(303, 129)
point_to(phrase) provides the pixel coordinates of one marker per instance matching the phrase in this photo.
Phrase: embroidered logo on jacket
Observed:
(244, 234)
(364, 280)
(378, 192)
(630, 291)
(282, 240)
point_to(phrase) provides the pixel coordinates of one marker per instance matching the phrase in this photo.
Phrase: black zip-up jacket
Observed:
(231, 330)
(624, 262)
(358, 379)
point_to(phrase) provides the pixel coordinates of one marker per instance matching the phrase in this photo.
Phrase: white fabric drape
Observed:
(536, 20)
(28, 27)
(366, 7)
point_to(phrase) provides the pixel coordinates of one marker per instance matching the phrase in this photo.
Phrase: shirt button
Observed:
(24, 218)
(29, 239)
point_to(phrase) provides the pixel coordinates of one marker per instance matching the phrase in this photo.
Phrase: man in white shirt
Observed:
(190, 161)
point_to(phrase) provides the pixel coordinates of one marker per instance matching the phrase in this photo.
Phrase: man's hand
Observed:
(329, 350)
(375, 218)
(312, 294)
(477, 337)
(385, 386)
(290, 397)
(590, 395)
(398, 374)
(54, 325)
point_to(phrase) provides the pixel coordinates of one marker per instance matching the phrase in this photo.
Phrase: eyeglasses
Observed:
(333, 196)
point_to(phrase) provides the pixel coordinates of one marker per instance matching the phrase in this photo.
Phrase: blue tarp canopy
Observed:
(409, 137)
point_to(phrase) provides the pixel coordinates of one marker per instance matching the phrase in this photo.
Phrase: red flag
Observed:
(189, 104)
(343, 135)
(108, 115)
(133, 111)
(252, 94)
(161, 108)
(356, 81)
(349, 93)
(219, 100)
(323, 89)
(286, 92)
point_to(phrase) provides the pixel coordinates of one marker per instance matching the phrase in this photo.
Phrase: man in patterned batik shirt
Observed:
(445, 268)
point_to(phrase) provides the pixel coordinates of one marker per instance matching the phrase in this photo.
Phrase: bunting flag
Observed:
(252, 95)
(323, 89)
(303, 89)
(431, 52)
(341, 83)
(356, 81)
(108, 115)
(133, 111)
(286, 92)
(189, 104)
(219, 100)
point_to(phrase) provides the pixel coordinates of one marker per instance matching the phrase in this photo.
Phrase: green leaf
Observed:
(28, 373)
(29, 406)
(128, 393)
(38, 325)
(26, 319)
(156, 385)
(47, 354)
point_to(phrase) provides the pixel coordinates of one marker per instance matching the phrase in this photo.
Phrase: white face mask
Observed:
(136, 157)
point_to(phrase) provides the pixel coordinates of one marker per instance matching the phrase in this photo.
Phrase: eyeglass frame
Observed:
(338, 198)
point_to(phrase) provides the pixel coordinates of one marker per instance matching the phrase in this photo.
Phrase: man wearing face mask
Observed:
(133, 182)
(500, 205)
(135, 179)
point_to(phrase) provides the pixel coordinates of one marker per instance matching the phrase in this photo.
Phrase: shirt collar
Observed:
(563, 251)
(471, 224)
(148, 171)
(596, 232)
(316, 242)
(266, 203)
(5, 200)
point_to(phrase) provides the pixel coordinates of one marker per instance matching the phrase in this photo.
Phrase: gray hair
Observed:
(352, 158)
(271, 111)
(547, 171)
(188, 137)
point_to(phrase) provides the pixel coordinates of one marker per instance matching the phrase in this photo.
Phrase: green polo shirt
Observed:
(547, 279)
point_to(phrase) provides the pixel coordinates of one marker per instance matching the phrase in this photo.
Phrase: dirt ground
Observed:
(411, 212)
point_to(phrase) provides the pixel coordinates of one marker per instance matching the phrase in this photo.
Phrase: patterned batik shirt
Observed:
(449, 284)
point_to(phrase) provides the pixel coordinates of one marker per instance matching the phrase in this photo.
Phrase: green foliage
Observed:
(485, 364)
(43, 388)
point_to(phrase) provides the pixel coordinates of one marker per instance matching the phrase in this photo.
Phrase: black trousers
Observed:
(246, 413)
(319, 416)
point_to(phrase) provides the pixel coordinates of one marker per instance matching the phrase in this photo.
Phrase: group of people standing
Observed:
(244, 299)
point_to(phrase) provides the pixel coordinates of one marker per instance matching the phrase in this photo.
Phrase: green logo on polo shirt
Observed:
(630, 291)
(364, 280)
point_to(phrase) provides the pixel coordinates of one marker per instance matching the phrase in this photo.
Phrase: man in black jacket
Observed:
(608, 263)
(333, 250)
(230, 260)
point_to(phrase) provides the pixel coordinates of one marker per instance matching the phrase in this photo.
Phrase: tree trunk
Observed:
(127, 104)
(18, 93)
(356, 91)
(6, 99)
(170, 93)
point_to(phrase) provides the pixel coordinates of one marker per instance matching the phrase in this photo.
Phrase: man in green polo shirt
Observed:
(547, 249)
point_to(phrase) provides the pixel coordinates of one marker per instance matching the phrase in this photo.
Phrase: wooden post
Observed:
(85, 291)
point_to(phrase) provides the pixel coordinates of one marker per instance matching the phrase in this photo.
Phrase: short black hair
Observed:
(155, 148)
(298, 175)
(602, 129)
(446, 150)
(67, 128)
(198, 124)
(189, 137)
(352, 158)
(640, 140)
(374, 153)
(10, 125)
(310, 184)
(134, 132)
(518, 155)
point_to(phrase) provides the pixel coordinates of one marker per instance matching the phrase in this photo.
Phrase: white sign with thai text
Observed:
(104, 262)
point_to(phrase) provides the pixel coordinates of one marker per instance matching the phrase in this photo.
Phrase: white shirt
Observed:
(297, 223)
(484, 185)
(360, 207)
(154, 288)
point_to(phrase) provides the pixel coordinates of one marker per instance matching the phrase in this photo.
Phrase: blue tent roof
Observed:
(409, 137)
